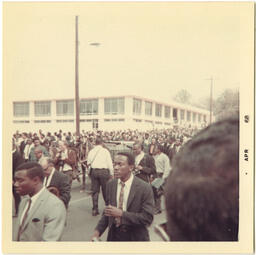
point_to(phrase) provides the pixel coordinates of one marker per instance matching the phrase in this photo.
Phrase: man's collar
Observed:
(127, 182)
(35, 196)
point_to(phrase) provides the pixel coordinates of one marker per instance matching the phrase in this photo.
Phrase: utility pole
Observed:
(211, 79)
(211, 101)
(77, 84)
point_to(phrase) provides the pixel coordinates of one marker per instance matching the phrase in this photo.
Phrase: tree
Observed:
(227, 104)
(183, 96)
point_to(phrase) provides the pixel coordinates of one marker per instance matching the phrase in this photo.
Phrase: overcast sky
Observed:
(146, 49)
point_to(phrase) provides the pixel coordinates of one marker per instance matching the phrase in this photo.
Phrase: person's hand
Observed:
(113, 211)
(139, 167)
(95, 235)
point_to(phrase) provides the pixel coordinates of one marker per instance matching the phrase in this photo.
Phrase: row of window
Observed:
(90, 107)
(66, 107)
(109, 120)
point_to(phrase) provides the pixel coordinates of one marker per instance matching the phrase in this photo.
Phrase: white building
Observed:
(105, 113)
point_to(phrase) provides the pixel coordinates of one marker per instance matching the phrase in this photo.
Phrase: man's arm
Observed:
(167, 167)
(64, 189)
(55, 222)
(109, 163)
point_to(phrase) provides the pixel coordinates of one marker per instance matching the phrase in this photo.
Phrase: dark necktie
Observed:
(120, 204)
(24, 219)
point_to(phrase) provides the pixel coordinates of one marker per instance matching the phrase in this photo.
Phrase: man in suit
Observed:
(42, 215)
(130, 204)
(145, 168)
(54, 178)
(23, 143)
(17, 159)
(28, 149)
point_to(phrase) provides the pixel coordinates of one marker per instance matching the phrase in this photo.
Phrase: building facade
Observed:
(105, 113)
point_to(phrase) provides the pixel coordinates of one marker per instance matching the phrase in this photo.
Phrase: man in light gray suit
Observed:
(42, 215)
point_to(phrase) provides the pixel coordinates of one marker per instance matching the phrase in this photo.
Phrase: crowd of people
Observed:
(131, 182)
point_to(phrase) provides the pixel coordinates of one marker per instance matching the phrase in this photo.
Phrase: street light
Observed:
(77, 102)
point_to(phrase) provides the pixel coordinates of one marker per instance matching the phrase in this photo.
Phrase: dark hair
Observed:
(129, 156)
(202, 191)
(36, 138)
(98, 140)
(159, 146)
(33, 169)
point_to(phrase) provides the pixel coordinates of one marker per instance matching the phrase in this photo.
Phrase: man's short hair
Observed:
(202, 191)
(159, 146)
(98, 140)
(129, 156)
(33, 170)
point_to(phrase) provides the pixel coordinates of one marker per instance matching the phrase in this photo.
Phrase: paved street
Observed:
(80, 222)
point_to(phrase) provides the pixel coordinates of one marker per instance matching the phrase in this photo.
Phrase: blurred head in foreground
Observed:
(202, 191)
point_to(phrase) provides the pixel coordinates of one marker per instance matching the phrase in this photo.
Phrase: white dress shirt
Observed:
(162, 163)
(33, 200)
(139, 157)
(127, 189)
(99, 157)
(47, 182)
(64, 155)
(27, 150)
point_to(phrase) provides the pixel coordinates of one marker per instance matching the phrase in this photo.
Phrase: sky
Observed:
(151, 50)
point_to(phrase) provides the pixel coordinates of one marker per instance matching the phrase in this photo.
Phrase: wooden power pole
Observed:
(77, 84)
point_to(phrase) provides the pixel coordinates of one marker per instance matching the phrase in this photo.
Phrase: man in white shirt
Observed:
(27, 149)
(163, 169)
(130, 204)
(42, 215)
(99, 159)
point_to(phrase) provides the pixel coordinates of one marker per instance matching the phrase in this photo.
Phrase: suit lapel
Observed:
(54, 179)
(35, 207)
(132, 192)
(113, 193)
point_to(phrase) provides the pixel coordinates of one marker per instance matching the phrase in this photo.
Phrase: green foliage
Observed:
(183, 96)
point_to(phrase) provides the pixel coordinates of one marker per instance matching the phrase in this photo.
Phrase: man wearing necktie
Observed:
(130, 204)
(54, 178)
(42, 215)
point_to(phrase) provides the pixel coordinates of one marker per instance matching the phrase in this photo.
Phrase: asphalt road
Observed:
(80, 222)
